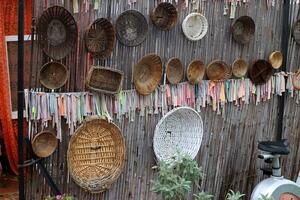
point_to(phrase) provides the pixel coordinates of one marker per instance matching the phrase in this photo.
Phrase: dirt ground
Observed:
(8, 187)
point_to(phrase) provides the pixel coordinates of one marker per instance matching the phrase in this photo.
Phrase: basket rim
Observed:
(50, 132)
(184, 28)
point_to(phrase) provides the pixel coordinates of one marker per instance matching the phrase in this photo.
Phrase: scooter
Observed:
(276, 187)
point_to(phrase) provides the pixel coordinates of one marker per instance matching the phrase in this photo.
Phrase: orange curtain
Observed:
(9, 26)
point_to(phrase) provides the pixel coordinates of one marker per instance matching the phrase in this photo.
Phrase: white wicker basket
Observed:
(180, 130)
(195, 26)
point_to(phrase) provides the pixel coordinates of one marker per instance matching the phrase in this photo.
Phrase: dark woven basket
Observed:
(100, 38)
(174, 70)
(53, 75)
(296, 31)
(195, 72)
(243, 29)
(164, 16)
(57, 32)
(218, 70)
(105, 80)
(260, 72)
(131, 28)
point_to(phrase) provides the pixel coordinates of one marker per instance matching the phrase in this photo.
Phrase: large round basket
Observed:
(276, 59)
(100, 38)
(243, 29)
(195, 72)
(147, 74)
(164, 16)
(174, 70)
(296, 31)
(239, 68)
(180, 130)
(260, 72)
(53, 75)
(44, 143)
(96, 155)
(195, 26)
(57, 32)
(218, 70)
(131, 28)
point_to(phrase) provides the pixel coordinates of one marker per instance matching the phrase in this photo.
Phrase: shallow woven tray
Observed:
(174, 70)
(180, 130)
(218, 70)
(96, 155)
(164, 16)
(104, 80)
(276, 59)
(100, 38)
(296, 31)
(260, 72)
(53, 75)
(195, 26)
(195, 72)
(239, 68)
(243, 29)
(57, 32)
(44, 143)
(131, 28)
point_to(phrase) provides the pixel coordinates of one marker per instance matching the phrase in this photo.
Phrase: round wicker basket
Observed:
(53, 75)
(96, 155)
(57, 32)
(195, 26)
(195, 72)
(243, 29)
(218, 70)
(295, 80)
(174, 70)
(100, 38)
(296, 31)
(164, 16)
(44, 143)
(180, 130)
(239, 68)
(276, 59)
(131, 28)
(260, 72)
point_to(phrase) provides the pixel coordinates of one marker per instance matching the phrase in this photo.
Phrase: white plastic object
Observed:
(195, 26)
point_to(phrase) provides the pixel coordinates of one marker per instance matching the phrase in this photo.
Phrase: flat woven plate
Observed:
(96, 155)
(296, 31)
(260, 72)
(239, 68)
(276, 59)
(180, 130)
(243, 29)
(164, 16)
(195, 26)
(132, 28)
(57, 32)
(174, 70)
(44, 144)
(218, 70)
(195, 72)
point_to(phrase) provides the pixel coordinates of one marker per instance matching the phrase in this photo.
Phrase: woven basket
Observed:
(96, 155)
(57, 32)
(296, 31)
(147, 74)
(164, 16)
(218, 70)
(100, 38)
(174, 70)
(295, 81)
(104, 80)
(239, 68)
(195, 72)
(131, 28)
(53, 75)
(243, 29)
(260, 72)
(195, 26)
(44, 143)
(276, 59)
(180, 130)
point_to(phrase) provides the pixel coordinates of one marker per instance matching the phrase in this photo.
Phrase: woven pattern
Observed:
(195, 72)
(260, 72)
(218, 70)
(174, 70)
(44, 144)
(195, 26)
(239, 68)
(180, 130)
(243, 29)
(164, 16)
(96, 155)
(296, 31)
(276, 59)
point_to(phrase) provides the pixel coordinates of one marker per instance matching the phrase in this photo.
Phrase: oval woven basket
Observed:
(53, 75)
(180, 130)
(195, 72)
(57, 32)
(195, 26)
(218, 70)
(174, 70)
(104, 80)
(276, 59)
(100, 38)
(131, 28)
(296, 31)
(44, 143)
(239, 68)
(164, 16)
(260, 72)
(295, 80)
(147, 74)
(96, 155)
(243, 29)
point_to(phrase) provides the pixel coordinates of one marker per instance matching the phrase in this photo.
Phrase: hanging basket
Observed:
(295, 80)
(239, 68)
(218, 70)
(44, 144)
(174, 70)
(96, 155)
(296, 31)
(57, 32)
(180, 130)
(53, 75)
(164, 16)
(147, 74)
(104, 80)
(100, 38)
(260, 72)
(195, 26)
(195, 72)
(243, 29)
(276, 59)
(131, 28)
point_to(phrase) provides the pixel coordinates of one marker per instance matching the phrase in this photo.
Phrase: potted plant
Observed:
(203, 196)
(231, 195)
